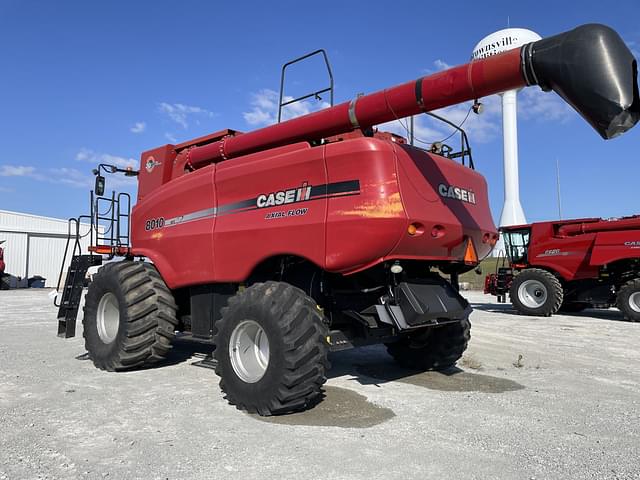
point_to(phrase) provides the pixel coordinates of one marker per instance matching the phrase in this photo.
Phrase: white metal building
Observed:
(35, 245)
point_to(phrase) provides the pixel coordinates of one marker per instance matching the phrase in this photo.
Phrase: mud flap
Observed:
(421, 303)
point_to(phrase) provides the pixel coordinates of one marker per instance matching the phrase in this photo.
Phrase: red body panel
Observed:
(576, 249)
(569, 256)
(363, 229)
(445, 223)
(362, 195)
(156, 169)
(613, 246)
(246, 238)
(182, 252)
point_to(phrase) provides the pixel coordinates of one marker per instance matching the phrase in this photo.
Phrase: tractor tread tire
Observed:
(555, 292)
(622, 300)
(147, 316)
(298, 362)
(440, 350)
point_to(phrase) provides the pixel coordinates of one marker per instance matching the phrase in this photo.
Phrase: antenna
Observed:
(558, 188)
(411, 130)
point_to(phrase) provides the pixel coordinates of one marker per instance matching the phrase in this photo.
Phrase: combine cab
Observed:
(321, 233)
(571, 265)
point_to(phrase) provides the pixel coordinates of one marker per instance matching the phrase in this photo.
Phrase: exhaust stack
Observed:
(590, 67)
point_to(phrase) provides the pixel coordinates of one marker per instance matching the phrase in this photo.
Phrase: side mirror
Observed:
(99, 187)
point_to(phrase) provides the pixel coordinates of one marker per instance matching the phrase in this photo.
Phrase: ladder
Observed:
(72, 292)
(108, 234)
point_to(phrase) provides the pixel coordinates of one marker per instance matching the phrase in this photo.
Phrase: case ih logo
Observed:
(635, 244)
(150, 164)
(457, 193)
(284, 197)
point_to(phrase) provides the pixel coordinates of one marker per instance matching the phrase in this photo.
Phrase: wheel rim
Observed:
(532, 293)
(249, 351)
(634, 301)
(108, 318)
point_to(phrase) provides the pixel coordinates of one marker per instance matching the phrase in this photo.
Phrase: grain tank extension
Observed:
(320, 233)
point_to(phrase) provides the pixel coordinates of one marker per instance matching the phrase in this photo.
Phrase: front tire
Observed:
(271, 349)
(129, 316)
(628, 300)
(536, 292)
(437, 348)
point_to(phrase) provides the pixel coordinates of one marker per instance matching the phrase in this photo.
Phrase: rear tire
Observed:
(129, 316)
(271, 349)
(628, 300)
(4, 281)
(436, 348)
(536, 292)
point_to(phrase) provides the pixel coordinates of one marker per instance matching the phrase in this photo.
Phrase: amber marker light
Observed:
(412, 229)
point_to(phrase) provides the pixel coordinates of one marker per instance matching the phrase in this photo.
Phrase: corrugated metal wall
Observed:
(15, 252)
(45, 258)
(24, 222)
(35, 245)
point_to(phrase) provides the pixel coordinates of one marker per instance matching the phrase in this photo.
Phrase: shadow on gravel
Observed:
(340, 407)
(451, 380)
(506, 308)
(182, 351)
(374, 366)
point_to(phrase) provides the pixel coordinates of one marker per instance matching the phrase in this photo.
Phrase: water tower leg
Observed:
(512, 212)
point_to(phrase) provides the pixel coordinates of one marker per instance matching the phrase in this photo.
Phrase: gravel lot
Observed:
(534, 397)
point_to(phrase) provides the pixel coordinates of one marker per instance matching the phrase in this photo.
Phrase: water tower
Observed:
(498, 42)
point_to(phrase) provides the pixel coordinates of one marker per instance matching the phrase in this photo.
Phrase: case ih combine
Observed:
(319, 233)
(571, 265)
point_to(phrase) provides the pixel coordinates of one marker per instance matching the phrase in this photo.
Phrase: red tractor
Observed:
(571, 265)
(4, 282)
(318, 233)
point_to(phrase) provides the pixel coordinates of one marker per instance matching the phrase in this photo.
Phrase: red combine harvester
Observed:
(318, 233)
(571, 265)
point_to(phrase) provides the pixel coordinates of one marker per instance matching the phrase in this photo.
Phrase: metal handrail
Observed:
(464, 141)
(315, 94)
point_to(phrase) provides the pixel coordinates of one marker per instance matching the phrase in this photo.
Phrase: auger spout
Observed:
(590, 67)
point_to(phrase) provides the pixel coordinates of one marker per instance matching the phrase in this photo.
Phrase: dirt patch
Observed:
(469, 361)
(340, 408)
(452, 380)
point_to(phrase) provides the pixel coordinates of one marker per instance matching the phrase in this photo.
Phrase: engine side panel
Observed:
(269, 204)
(613, 246)
(568, 256)
(173, 226)
(364, 220)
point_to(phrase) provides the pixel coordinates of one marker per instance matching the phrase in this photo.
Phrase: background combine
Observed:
(319, 233)
(571, 265)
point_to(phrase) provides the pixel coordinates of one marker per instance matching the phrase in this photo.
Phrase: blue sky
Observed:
(88, 81)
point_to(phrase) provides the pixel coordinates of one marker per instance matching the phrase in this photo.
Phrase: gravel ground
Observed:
(543, 398)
